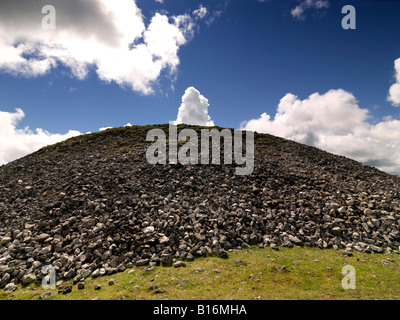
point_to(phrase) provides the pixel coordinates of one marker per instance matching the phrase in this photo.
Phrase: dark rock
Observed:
(47, 295)
(5, 280)
(81, 285)
(223, 254)
(10, 287)
(67, 289)
(27, 279)
(274, 246)
(166, 259)
(179, 264)
(189, 257)
(142, 262)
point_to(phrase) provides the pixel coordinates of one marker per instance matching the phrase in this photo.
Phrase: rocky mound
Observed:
(93, 205)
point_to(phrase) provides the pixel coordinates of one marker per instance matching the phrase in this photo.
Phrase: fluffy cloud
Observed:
(298, 11)
(105, 128)
(394, 91)
(201, 12)
(194, 109)
(16, 143)
(108, 36)
(334, 122)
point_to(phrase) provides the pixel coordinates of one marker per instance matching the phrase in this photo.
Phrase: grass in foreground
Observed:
(309, 273)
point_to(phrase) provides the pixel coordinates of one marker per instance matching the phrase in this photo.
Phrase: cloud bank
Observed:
(194, 109)
(109, 37)
(334, 122)
(16, 143)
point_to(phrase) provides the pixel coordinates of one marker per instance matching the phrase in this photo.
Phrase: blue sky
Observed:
(244, 56)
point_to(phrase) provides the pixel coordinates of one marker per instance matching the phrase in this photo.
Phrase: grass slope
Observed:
(310, 273)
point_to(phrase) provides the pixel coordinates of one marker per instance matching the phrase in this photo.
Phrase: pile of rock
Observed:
(88, 208)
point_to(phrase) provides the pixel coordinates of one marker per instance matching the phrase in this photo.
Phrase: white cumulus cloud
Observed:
(16, 143)
(394, 91)
(194, 109)
(334, 122)
(104, 128)
(110, 37)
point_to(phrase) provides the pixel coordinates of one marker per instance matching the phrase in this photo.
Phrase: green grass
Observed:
(254, 278)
